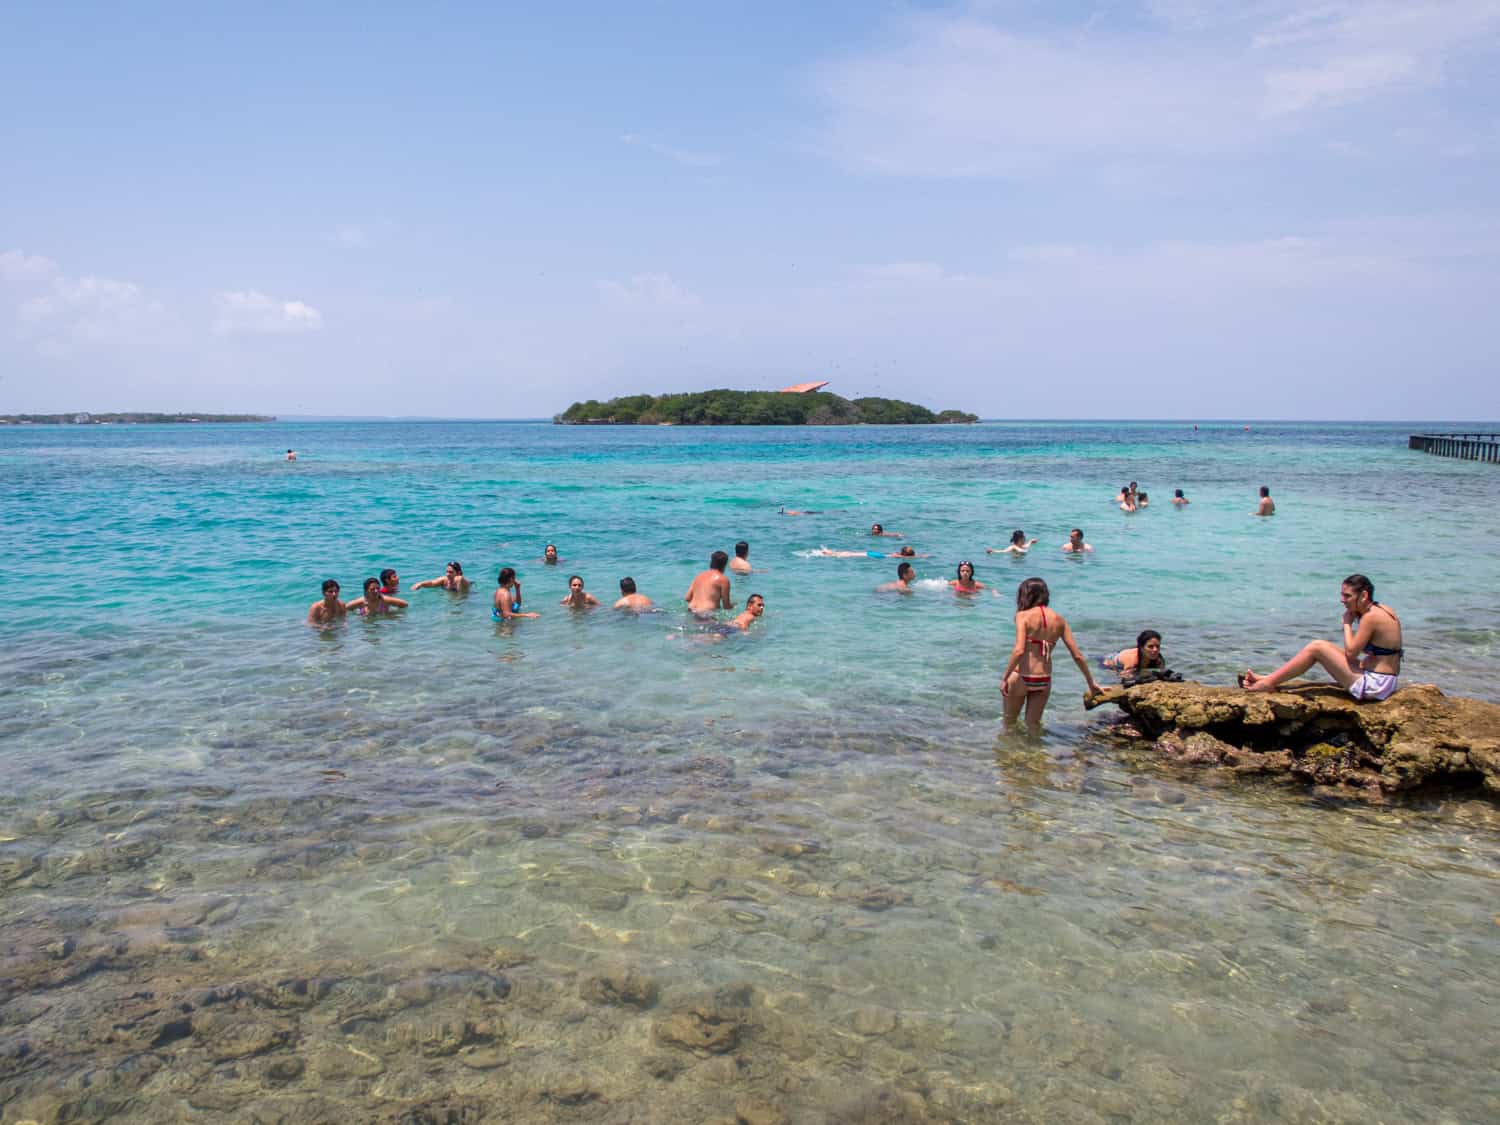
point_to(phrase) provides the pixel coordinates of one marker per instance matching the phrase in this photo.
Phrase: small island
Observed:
(754, 408)
(130, 419)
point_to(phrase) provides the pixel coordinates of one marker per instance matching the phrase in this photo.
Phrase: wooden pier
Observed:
(1466, 447)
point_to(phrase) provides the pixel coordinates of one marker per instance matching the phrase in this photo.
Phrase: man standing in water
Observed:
(629, 599)
(328, 609)
(740, 564)
(1267, 506)
(905, 575)
(1075, 543)
(710, 589)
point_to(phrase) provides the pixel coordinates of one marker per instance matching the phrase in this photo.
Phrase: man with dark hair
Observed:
(710, 589)
(629, 599)
(740, 564)
(755, 605)
(906, 574)
(390, 582)
(1075, 543)
(328, 608)
(1267, 506)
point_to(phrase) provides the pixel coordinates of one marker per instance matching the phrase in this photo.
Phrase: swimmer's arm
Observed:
(399, 603)
(1357, 637)
(589, 599)
(1018, 651)
(425, 583)
(357, 603)
(1079, 659)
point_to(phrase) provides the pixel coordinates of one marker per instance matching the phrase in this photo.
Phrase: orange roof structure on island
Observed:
(804, 388)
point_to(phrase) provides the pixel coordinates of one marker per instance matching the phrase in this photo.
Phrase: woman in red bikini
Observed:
(1027, 679)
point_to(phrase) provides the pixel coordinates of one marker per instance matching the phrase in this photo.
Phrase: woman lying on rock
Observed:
(1370, 660)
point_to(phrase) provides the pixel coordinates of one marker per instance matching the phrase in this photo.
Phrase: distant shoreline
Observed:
(87, 418)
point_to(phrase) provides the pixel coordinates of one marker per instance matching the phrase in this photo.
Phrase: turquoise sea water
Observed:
(440, 822)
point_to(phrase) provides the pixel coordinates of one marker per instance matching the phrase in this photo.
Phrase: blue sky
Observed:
(1180, 208)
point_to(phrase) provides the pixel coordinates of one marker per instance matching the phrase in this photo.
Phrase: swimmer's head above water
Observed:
(742, 550)
(390, 581)
(1018, 538)
(906, 572)
(718, 561)
(966, 571)
(507, 575)
(627, 585)
(330, 588)
(549, 553)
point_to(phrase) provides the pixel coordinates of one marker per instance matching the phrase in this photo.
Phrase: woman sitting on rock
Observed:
(1369, 661)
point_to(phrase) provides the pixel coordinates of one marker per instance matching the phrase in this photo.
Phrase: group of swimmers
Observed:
(1366, 665)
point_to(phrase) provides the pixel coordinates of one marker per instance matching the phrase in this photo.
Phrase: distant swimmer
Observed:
(390, 582)
(1128, 504)
(740, 564)
(453, 581)
(549, 555)
(710, 589)
(629, 599)
(1027, 679)
(1075, 544)
(327, 609)
(1123, 495)
(876, 529)
(577, 597)
(797, 512)
(291, 454)
(1018, 545)
(1366, 664)
(1267, 506)
(1140, 500)
(903, 553)
(376, 602)
(1145, 654)
(508, 596)
(1179, 499)
(965, 583)
(906, 574)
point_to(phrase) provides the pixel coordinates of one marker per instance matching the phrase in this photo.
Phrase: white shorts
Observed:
(1373, 685)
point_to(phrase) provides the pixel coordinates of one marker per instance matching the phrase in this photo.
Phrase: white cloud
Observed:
(16, 265)
(65, 314)
(252, 312)
(979, 94)
(680, 155)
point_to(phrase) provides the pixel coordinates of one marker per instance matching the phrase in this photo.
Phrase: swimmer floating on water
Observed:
(877, 530)
(453, 581)
(1367, 664)
(903, 553)
(1027, 679)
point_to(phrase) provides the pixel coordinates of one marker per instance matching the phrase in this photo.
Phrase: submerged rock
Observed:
(1318, 734)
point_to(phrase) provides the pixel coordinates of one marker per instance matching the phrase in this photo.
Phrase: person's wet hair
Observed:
(372, 583)
(909, 552)
(386, 575)
(718, 560)
(575, 577)
(1077, 531)
(876, 529)
(627, 585)
(331, 584)
(965, 563)
(1032, 593)
(741, 549)
(1017, 537)
(1178, 494)
(1141, 639)
(507, 575)
(1361, 585)
(755, 598)
(1264, 491)
(905, 569)
(458, 568)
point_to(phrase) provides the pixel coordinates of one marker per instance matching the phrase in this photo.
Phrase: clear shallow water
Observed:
(203, 799)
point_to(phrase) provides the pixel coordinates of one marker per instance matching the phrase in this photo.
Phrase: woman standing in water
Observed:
(1018, 545)
(1027, 679)
(964, 583)
(508, 596)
